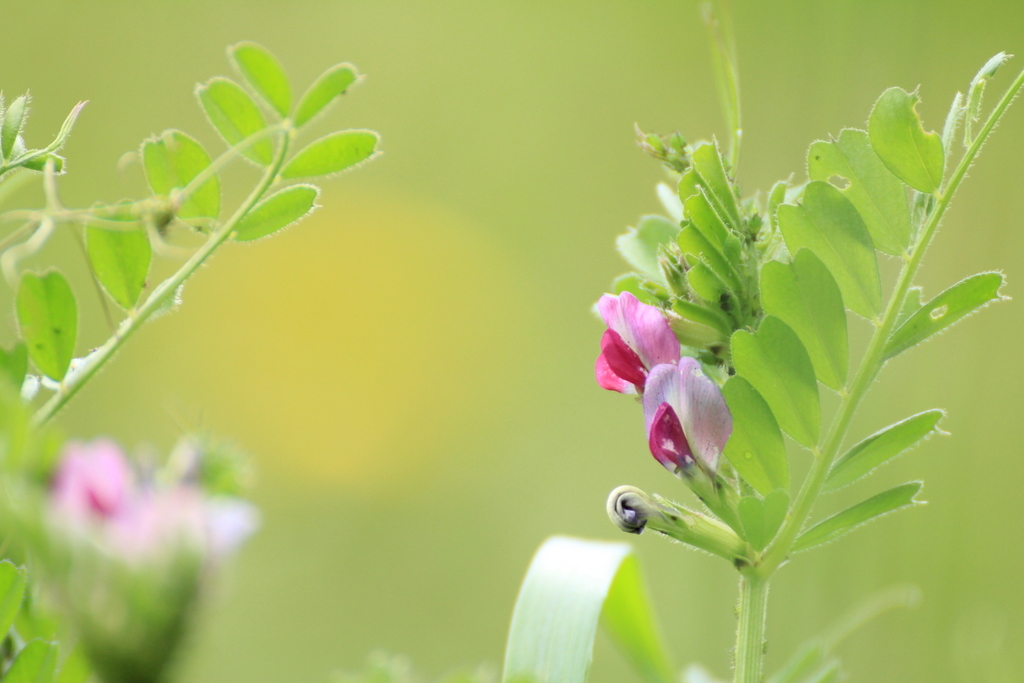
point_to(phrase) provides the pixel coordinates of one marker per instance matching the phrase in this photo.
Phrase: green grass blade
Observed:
(571, 586)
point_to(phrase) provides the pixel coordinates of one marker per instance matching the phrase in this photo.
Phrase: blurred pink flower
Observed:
(97, 493)
(638, 338)
(686, 415)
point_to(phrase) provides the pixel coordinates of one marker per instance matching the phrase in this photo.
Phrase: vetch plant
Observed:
(731, 325)
(115, 553)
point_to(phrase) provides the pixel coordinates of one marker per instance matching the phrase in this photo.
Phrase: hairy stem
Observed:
(753, 609)
(164, 291)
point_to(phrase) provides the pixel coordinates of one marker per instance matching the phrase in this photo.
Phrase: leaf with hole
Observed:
(827, 223)
(48, 316)
(775, 362)
(326, 89)
(332, 154)
(571, 586)
(880, 197)
(756, 448)
(881, 447)
(264, 74)
(957, 302)
(14, 366)
(236, 116)
(277, 211)
(36, 663)
(120, 259)
(911, 304)
(805, 296)
(916, 157)
(761, 519)
(640, 245)
(835, 526)
(173, 160)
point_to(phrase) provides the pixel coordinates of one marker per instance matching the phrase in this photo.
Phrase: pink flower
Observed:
(96, 493)
(638, 338)
(687, 419)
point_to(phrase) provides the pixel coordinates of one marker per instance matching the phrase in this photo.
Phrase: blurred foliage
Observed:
(412, 369)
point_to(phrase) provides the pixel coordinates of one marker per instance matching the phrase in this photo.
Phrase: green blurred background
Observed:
(412, 368)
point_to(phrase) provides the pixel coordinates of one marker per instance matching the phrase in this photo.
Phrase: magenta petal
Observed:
(622, 360)
(642, 327)
(662, 387)
(93, 479)
(667, 441)
(607, 379)
(705, 416)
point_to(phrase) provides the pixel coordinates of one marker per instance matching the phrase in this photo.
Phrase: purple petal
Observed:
(705, 416)
(621, 362)
(667, 441)
(643, 327)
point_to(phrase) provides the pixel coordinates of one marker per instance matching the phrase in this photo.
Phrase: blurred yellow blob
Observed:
(353, 347)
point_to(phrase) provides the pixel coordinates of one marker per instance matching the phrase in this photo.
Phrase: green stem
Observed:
(874, 357)
(753, 609)
(164, 291)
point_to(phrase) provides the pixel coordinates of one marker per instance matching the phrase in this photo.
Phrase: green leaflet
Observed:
(572, 584)
(332, 153)
(762, 518)
(640, 245)
(703, 215)
(827, 223)
(14, 117)
(12, 591)
(264, 73)
(48, 316)
(958, 301)
(756, 448)
(173, 160)
(14, 366)
(899, 139)
(236, 116)
(277, 211)
(881, 447)
(120, 259)
(775, 362)
(911, 303)
(861, 513)
(804, 295)
(880, 197)
(693, 241)
(327, 88)
(711, 175)
(36, 663)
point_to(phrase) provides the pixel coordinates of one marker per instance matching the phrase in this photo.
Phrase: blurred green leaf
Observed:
(12, 591)
(633, 284)
(173, 160)
(804, 295)
(881, 447)
(48, 316)
(695, 673)
(899, 139)
(756, 448)
(236, 116)
(120, 259)
(36, 663)
(14, 366)
(328, 87)
(879, 195)
(332, 153)
(835, 526)
(828, 224)
(571, 584)
(640, 245)
(775, 362)
(264, 73)
(955, 303)
(277, 211)
(75, 668)
(827, 674)
(11, 129)
(762, 518)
